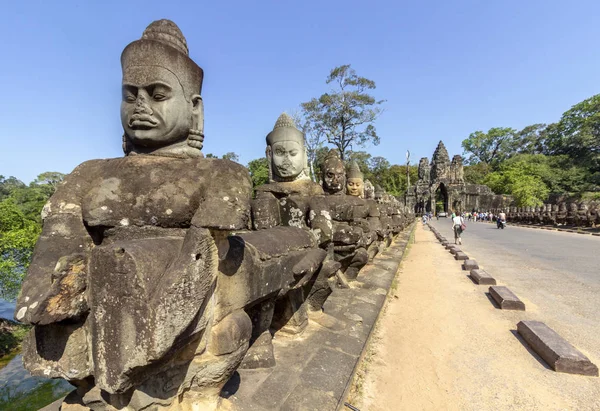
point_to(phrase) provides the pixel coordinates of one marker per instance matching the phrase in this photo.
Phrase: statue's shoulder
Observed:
(305, 187)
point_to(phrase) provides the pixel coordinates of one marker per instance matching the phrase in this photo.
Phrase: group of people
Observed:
(479, 216)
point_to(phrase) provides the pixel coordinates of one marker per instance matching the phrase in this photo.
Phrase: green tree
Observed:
(531, 139)
(476, 173)
(7, 185)
(492, 147)
(18, 235)
(231, 156)
(259, 171)
(345, 116)
(577, 134)
(523, 177)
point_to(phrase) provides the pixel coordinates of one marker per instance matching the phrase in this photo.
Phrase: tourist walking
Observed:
(458, 226)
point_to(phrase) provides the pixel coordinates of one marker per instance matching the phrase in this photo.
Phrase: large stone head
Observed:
(161, 109)
(333, 173)
(286, 152)
(355, 181)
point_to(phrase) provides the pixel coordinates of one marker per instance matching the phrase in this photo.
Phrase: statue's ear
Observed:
(269, 155)
(198, 113)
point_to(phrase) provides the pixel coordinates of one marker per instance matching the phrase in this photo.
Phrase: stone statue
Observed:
(333, 173)
(139, 288)
(440, 163)
(457, 170)
(355, 181)
(424, 171)
(369, 190)
(286, 152)
(161, 110)
(583, 215)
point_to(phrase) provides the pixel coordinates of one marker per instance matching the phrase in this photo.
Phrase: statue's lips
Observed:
(142, 124)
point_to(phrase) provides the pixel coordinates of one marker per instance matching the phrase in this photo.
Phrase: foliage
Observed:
(11, 336)
(577, 134)
(345, 116)
(227, 156)
(7, 185)
(492, 147)
(21, 225)
(18, 235)
(476, 173)
(259, 171)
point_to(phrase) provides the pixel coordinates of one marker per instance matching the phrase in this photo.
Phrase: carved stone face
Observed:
(154, 109)
(369, 189)
(334, 177)
(288, 158)
(355, 187)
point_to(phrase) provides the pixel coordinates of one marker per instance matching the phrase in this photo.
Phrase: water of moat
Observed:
(19, 391)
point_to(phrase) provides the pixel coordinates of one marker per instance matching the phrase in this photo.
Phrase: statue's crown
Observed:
(285, 130)
(167, 32)
(354, 171)
(163, 45)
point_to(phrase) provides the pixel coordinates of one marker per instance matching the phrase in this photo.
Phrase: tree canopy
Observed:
(540, 159)
(344, 117)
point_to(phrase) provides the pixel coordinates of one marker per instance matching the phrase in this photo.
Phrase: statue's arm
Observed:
(54, 287)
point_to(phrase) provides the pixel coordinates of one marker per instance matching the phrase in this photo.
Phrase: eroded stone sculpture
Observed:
(355, 181)
(142, 280)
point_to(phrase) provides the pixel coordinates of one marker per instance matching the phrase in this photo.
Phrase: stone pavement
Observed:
(313, 371)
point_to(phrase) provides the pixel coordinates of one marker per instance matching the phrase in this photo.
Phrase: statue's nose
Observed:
(141, 105)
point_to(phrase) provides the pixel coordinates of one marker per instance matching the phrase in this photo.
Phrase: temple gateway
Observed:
(441, 187)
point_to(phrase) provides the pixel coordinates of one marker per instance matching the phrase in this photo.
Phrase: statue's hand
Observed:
(66, 298)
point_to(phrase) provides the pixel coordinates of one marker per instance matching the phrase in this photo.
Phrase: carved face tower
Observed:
(334, 173)
(286, 152)
(161, 110)
(355, 181)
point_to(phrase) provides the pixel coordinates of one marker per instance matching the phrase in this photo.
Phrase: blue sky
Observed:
(446, 69)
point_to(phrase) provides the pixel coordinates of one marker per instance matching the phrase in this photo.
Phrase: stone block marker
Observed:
(454, 250)
(461, 256)
(482, 277)
(555, 350)
(469, 265)
(506, 299)
(449, 246)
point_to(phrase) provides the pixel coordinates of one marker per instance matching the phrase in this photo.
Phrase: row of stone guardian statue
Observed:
(572, 214)
(158, 274)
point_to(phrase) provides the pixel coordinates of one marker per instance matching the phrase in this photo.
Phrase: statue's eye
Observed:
(293, 153)
(159, 97)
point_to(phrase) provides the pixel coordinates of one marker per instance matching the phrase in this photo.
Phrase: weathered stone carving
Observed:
(144, 273)
(456, 170)
(333, 173)
(440, 163)
(355, 181)
(424, 171)
(286, 152)
(369, 190)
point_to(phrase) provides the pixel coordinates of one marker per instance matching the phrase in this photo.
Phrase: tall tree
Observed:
(577, 134)
(346, 114)
(492, 147)
(7, 185)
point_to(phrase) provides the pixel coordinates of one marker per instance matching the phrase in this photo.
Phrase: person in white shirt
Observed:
(457, 222)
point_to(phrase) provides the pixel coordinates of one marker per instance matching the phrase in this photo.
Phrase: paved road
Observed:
(556, 274)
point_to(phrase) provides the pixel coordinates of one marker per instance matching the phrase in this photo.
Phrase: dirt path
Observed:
(442, 345)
